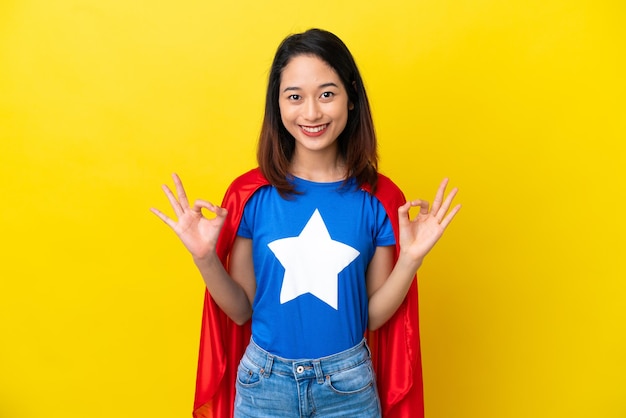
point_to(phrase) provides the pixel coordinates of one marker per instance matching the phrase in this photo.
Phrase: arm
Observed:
(232, 292)
(387, 283)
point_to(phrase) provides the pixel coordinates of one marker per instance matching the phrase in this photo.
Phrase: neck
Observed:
(322, 170)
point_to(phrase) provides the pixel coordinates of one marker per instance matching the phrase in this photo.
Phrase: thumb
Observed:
(403, 214)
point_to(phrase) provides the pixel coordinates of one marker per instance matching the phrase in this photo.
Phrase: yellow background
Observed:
(520, 102)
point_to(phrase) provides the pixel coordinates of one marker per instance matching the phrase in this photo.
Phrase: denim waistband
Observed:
(308, 368)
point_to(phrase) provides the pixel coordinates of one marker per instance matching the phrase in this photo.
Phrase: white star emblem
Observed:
(312, 262)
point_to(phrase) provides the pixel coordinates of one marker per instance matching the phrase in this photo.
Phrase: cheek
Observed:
(341, 113)
(285, 115)
(288, 121)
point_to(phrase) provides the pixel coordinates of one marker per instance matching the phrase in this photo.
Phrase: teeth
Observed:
(314, 129)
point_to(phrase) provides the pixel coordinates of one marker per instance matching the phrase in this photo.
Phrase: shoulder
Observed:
(387, 191)
(390, 196)
(243, 187)
(387, 186)
(252, 178)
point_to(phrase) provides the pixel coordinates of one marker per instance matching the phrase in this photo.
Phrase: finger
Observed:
(446, 205)
(178, 209)
(170, 222)
(446, 221)
(439, 195)
(200, 204)
(403, 210)
(403, 214)
(180, 191)
(423, 205)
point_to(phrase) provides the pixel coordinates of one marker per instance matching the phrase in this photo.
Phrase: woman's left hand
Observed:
(419, 235)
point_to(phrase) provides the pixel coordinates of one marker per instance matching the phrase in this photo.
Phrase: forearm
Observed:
(390, 295)
(226, 292)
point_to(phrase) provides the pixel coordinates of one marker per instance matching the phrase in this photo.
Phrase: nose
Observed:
(312, 110)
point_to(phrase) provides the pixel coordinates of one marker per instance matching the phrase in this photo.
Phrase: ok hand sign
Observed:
(198, 233)
(419, 236)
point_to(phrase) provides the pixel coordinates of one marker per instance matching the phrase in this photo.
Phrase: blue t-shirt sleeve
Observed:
(385, 235)
(245, 227)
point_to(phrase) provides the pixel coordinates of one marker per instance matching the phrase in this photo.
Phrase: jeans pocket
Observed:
(248, 376)
(354, 380)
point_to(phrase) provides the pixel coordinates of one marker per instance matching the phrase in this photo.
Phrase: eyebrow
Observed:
(321, 86)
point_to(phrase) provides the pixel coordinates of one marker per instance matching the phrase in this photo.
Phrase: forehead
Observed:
(308, 70)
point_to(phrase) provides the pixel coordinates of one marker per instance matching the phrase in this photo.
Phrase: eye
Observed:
(327, 95)
(293, 97)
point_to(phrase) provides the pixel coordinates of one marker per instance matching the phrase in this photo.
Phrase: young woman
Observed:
(309, 253)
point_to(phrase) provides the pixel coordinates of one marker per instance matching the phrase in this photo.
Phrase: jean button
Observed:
(299, 369)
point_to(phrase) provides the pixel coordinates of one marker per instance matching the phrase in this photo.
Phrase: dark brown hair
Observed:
(357, 143)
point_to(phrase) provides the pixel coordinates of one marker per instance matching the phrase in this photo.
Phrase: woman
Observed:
(317, 249)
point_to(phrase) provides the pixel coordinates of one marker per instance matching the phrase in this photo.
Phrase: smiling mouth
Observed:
(314, 129)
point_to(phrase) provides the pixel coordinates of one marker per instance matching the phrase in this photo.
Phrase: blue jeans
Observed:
(341, 385)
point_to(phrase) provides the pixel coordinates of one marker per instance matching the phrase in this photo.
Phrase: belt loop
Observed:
(269, 362)
(367, 347)
(319, 373)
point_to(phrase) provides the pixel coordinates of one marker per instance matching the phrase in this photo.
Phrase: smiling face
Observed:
(313, 105)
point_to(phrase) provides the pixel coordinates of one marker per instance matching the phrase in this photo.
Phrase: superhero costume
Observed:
(395, 346)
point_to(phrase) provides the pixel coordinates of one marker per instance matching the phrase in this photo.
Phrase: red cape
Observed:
(395, 346)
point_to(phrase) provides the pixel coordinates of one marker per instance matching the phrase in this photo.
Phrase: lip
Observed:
(314, 131)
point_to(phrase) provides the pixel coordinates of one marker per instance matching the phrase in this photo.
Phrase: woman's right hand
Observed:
(198, 233)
